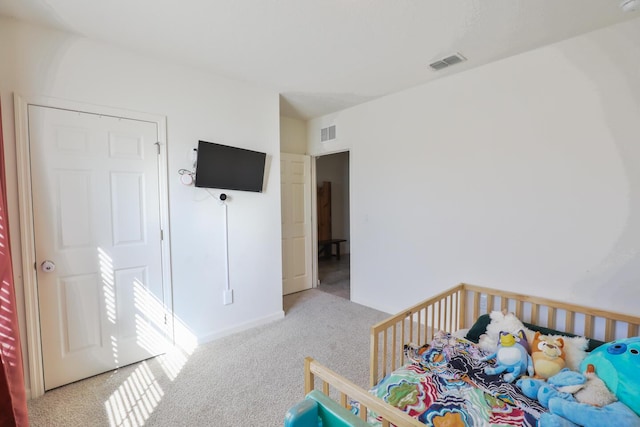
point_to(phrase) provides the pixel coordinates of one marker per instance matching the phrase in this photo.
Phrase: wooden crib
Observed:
(453, 310)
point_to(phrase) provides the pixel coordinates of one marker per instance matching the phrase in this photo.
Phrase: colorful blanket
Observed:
(446, 385)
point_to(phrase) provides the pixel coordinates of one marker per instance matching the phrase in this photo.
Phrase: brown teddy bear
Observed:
(548, 355)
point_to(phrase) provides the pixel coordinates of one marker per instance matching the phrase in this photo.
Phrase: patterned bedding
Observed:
(445, 385)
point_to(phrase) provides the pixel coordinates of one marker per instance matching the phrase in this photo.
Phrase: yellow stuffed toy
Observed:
(548, 355)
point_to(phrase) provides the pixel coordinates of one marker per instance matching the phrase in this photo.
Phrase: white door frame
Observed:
(315, 278)
(27, 236)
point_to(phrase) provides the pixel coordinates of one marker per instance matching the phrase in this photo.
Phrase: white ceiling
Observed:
(324, 55)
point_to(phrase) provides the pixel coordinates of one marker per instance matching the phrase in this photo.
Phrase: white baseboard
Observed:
(241, 327)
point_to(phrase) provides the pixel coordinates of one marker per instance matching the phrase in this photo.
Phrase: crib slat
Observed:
(393, 349)
(419, 326)
(609, 330)
(403, 343)
(433, 320)
(384, 345)
(447, 320)
(410, 323)
(588, 325)
(454, 313)
(518, 310)
(551, 318)
(568, 321)
(476, 306)
(325, 387)
(426, 339)
(343, 400)
(309, 378)
(534, 314)
(632, 330)
(363, 412)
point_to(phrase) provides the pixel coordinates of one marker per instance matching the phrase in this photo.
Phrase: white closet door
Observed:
(296, 222)
(97, 219)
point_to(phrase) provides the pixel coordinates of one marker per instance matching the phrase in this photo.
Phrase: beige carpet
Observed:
(248, 379)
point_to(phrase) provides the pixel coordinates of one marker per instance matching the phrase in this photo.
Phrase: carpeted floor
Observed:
(247, 379)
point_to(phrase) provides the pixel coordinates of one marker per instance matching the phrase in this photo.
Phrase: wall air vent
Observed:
(328, 133)
(448, 61)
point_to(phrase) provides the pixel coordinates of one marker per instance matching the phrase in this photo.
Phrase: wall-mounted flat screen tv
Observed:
(231, 168)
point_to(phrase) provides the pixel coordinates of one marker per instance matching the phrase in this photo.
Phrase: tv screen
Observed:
(231, 168)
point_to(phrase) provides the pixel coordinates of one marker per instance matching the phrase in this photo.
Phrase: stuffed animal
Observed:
(502, 321)
(576, 399)
(563, 413)
(618, 364)
(569, 385)
(595, 392)
(511, 357)
(547, 354)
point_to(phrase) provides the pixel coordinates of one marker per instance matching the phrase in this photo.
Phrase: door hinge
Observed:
(165, 319)
(161, 234)
(158, 147)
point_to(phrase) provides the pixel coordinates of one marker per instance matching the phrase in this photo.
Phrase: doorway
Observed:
(334, 249)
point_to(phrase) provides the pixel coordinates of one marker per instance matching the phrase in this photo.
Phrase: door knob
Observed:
(48, 266)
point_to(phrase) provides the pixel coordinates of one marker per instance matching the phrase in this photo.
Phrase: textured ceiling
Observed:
(324, 55)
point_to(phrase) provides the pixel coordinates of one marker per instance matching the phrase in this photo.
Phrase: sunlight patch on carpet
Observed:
(136, 398)
(174, 360)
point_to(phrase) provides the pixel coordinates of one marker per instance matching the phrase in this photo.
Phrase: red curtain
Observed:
(13, 400)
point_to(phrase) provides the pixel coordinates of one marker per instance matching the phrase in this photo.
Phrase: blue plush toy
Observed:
(618, 364)
(511, 357)
(559, 394)
(563, 413)
(616, 367)
(563, 385)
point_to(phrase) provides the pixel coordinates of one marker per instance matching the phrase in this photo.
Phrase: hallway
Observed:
(335, 276)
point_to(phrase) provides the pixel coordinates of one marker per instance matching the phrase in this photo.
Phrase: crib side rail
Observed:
(602, 325)
(332, 383)
(416, 325)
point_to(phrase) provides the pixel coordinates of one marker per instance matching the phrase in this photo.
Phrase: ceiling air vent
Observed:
(448, 61)
(328, 133)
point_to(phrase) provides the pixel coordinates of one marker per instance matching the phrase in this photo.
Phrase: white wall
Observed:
(522, 174)
(198, 105)
(293, 135)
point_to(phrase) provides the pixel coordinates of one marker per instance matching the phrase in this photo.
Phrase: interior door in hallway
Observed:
(96, 210)
(295, 170)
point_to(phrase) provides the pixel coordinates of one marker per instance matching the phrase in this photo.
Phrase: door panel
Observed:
(296, 222)
(79, 297)
(126, 201)
(95, 189)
